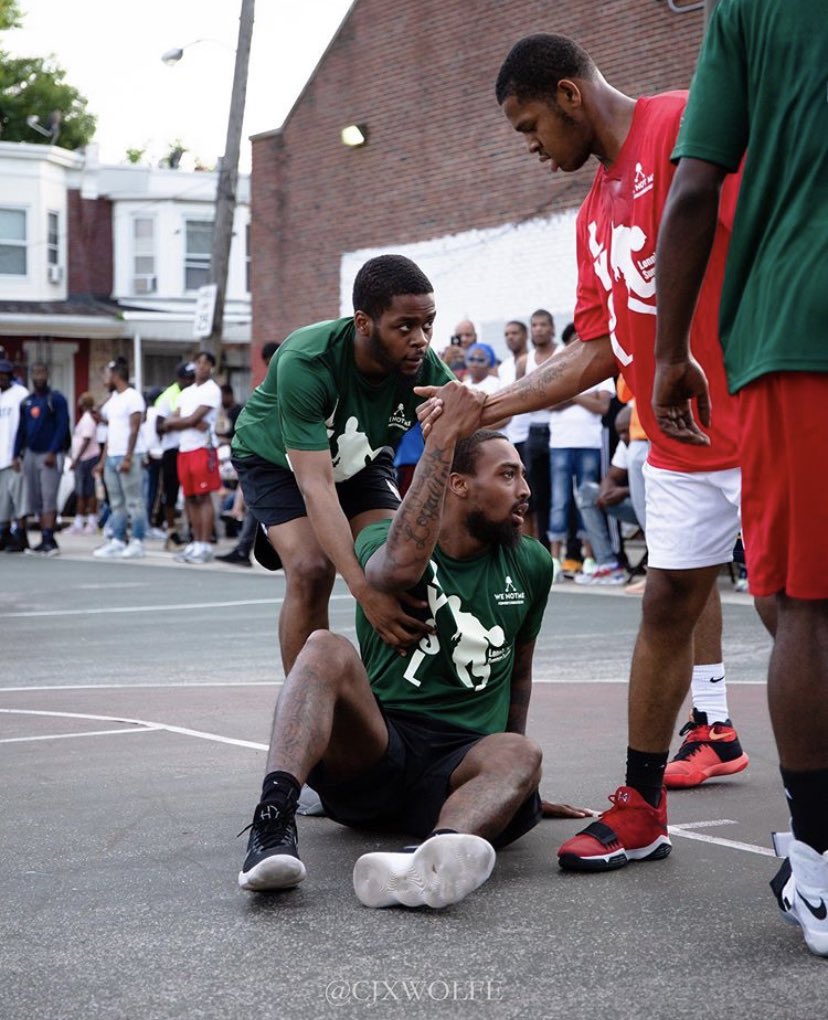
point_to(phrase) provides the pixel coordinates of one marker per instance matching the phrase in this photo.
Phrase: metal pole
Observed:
(228, 180)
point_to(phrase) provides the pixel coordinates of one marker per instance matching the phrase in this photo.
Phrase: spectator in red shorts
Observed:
(198, 471)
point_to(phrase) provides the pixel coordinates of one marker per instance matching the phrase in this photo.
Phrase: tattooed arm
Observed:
(400, 563)
(572, 370)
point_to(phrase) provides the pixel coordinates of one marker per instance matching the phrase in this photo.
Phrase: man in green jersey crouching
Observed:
(314, 445)
(432, 744)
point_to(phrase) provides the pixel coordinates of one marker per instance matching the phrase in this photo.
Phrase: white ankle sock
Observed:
(709, 691)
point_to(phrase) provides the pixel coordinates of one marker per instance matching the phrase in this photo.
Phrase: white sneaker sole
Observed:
(444, 870)
(273, 873)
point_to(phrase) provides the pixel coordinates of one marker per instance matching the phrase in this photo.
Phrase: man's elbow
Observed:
(388, 576)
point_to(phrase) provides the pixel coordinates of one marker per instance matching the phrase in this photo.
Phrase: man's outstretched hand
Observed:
(468, 405)
(550, 810)
(675, 387)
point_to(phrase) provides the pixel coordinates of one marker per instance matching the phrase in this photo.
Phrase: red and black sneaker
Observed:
(708, 750)
(632, 830)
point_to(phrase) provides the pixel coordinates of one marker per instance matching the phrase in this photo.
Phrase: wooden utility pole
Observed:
(228, 181)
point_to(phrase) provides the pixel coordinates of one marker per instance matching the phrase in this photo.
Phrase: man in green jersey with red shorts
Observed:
(759, 96)
(432, 744)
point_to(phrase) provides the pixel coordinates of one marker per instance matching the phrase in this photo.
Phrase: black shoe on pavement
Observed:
(272, 860)
(48, 547)
(236, 558)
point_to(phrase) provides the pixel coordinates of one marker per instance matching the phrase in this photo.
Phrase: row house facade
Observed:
(98, 260)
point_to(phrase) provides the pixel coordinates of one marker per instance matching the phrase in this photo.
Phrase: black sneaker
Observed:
(235, 557)
(48, 547)
(272, 860)
(16, 543)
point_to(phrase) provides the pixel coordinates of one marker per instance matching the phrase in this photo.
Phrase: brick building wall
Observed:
(90, 246)
(441, 158)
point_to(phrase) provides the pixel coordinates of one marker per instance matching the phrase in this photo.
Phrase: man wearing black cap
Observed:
(165, 405)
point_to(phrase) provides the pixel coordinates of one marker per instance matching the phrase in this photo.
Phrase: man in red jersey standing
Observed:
(553, 94)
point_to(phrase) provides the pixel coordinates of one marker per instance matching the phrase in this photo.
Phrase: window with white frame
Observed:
(12, 242)
(144, 280)
(52, 239)
(199, 246)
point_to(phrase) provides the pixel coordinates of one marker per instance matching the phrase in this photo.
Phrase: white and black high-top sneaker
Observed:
(801, 890)
(272, 861)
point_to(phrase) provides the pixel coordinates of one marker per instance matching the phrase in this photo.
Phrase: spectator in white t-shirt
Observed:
(576, 440)
(198, 470)
(84, 455)
(12, 395)
(123, 465)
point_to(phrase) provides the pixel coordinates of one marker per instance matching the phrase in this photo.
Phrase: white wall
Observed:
(489, 276)
(34, 178)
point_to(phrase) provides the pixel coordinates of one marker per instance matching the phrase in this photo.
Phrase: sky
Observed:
(111, 51)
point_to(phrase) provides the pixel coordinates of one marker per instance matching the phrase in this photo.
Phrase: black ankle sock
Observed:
(441, 832)
(47, 534)
(807, 794)
(282, 789)
(645, 773)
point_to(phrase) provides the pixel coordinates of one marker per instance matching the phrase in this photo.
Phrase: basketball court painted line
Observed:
(74, 736)
(165, 608)
(140, 687)
(145, 726)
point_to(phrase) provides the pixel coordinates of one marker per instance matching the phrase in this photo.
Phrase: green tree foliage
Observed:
(33, 86)
(36, 87)
(9, 14)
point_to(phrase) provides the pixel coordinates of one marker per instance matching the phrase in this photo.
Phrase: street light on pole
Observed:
(228, 175)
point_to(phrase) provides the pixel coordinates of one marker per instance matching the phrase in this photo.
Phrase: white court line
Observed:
(165, 608)
(750, 848)
(86, 733)
(141, 687)
(674, 830)
(146, 724)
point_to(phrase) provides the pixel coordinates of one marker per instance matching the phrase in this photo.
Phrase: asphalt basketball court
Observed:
(135, 708)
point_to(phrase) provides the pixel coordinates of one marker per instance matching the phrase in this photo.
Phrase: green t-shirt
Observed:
(462, 673)
(312, 398)
(760, 87)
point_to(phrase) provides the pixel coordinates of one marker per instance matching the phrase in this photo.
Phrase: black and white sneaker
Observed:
(801, 890)
(272, 860)
(48, 547)
(442, 870)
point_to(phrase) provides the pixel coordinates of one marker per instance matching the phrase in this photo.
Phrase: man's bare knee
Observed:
(674, 600)
(330, 657)
(514, 756)
(309, 572)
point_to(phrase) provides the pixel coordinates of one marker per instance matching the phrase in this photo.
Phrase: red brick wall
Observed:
(441, 157)
(90, 246)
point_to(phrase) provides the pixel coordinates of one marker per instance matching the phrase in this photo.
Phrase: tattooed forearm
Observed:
(417, 522)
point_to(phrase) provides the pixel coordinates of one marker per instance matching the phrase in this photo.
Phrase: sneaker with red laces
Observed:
(708, 750)
(632, 830)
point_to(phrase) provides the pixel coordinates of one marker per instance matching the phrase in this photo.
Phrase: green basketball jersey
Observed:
(313, 398)
(761, 89)
(481, 607)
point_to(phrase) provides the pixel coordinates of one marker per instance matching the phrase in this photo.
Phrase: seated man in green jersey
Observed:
(314, 445)
(433, 743)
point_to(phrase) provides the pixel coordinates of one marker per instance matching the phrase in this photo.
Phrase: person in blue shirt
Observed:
(42, 439)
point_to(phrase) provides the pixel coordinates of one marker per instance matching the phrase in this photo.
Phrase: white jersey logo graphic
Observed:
(474, 646)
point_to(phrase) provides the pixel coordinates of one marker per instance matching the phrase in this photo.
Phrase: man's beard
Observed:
(494, 533)
(404, 380)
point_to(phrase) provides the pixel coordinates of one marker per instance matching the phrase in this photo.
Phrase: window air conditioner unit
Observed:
(55, 274)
